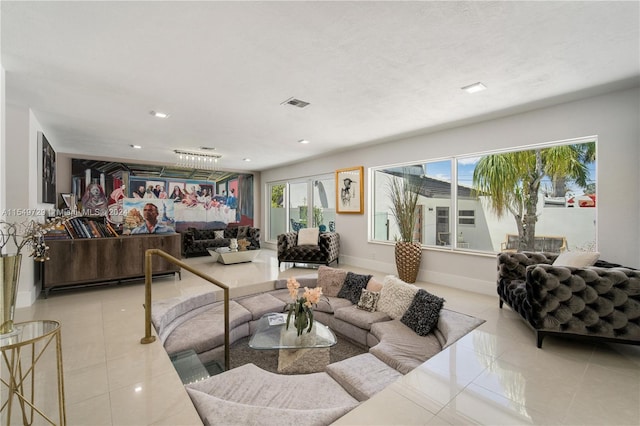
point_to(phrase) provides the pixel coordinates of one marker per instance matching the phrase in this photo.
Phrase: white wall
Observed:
(22, 174)
(3, 143)
(612, 117)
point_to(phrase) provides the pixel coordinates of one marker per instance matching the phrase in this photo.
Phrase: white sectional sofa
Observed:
(395, 348)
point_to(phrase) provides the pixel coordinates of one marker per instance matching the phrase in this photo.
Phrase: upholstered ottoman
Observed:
(249, 395)
(363, 375)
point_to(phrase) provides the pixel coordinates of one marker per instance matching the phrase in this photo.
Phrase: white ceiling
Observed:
(92, 71)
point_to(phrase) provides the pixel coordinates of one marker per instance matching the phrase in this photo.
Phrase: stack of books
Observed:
(58, 233)
(88, 227)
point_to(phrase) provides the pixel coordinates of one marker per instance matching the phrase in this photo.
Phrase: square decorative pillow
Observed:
(218, 235)
(331, 280)
(353, 286)
(395, 296)
(308, 237)
(368, 300)
(576, 259)
(423, 313)
(374, 285)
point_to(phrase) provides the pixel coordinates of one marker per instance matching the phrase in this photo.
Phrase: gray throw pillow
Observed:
(219, 234)
(423, 313)
(353, 286)
(331, 280)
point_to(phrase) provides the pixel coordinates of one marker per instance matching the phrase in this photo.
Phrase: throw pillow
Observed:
(368, 300)
(576, 259)
(374, 285)
(218, 235)
(395, 296)
(353, 286)
(243, 232)
(308, 237)
(331, 280)
(423, 313)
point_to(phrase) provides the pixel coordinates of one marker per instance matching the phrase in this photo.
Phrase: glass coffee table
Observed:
(308, 353)
(233, 257)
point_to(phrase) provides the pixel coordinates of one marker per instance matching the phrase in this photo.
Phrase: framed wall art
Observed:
(350, 190)
(48, 193)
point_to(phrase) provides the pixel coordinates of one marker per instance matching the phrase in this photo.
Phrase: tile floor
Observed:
(494, 375)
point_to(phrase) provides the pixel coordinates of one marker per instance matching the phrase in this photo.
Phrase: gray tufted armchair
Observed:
(601, 302)
(327, 250)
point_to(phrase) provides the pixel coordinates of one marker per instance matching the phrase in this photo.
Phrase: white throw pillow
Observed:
(395, 297)
(308, 237)
(576, 259)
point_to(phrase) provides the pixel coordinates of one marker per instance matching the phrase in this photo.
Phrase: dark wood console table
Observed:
(76, 262)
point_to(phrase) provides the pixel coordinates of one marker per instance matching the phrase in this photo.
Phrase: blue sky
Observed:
(442, 170)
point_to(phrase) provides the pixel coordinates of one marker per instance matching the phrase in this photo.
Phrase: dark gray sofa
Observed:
(600, 302)
(196, 241)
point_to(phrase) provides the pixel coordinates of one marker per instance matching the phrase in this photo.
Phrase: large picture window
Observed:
(539, 198)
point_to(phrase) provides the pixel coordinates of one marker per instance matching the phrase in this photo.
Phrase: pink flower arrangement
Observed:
(300, 308)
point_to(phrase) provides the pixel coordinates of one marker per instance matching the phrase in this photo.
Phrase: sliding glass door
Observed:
(302, 203)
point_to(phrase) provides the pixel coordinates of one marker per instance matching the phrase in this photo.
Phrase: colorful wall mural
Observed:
(114, 190)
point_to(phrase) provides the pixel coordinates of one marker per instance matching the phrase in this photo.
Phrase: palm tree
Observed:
(512, 181)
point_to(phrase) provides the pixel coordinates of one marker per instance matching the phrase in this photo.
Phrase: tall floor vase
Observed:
(9, 273)
(408, 256)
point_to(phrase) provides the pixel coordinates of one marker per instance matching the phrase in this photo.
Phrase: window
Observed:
(466, 217)
(547, 190)
(277, 216)
(434, 201)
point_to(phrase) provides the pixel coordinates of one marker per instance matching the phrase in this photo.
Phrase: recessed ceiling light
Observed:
(136, 146)
(246, 159)
(475, 87)
(159, 114)
(303, 141)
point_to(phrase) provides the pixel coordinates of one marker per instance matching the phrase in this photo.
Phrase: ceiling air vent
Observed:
(295, 102)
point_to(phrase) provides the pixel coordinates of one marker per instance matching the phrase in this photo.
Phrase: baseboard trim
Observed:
(424, 275)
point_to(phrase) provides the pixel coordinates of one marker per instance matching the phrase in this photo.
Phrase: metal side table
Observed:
(20, 385)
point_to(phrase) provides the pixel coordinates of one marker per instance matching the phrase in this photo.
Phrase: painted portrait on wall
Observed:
(148, 216)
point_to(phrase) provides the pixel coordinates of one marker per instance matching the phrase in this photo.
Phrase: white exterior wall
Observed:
(612, 117)
(551, 222)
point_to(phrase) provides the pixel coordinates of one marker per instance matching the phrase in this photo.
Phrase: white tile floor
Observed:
(494, 375)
